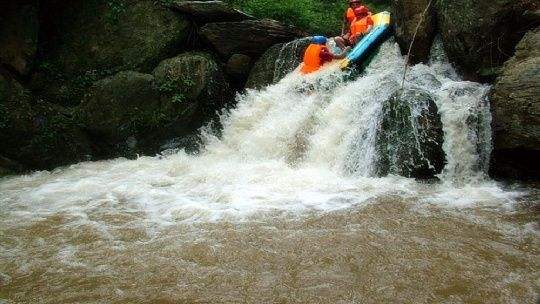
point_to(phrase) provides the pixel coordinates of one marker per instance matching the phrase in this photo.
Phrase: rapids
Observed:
(270, 211)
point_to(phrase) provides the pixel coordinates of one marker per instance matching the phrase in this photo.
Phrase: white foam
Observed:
(285, 148)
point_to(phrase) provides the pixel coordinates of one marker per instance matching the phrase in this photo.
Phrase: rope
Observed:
(412, 42)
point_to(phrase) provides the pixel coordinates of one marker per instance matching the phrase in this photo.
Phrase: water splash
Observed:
(305, 143)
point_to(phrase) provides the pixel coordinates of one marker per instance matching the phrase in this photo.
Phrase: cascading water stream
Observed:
(284, 202)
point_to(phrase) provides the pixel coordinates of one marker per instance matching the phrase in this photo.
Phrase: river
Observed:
(282, 207)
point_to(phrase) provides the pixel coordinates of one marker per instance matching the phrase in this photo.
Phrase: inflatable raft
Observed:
(381, 27)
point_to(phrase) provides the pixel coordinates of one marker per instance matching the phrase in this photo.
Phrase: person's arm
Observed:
(342, 54)
(344, 25)
(326, 56)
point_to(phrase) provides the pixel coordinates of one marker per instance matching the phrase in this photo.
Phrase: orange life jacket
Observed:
(312, 58)
(350, 15)
(360, 27)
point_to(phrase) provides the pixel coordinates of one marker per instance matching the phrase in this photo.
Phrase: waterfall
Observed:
(325, 120)
(308, 142)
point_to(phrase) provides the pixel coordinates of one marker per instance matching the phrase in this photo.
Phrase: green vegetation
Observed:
(74, 86)
(142, 121)
(174, 84)
(3, 116)
(116, 8)
(314, 16)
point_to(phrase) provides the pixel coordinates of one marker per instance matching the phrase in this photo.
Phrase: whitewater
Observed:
(283, 206)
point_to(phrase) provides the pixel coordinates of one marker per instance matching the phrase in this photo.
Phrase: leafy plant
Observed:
(116, 8)
(177, 83)
(178, 98)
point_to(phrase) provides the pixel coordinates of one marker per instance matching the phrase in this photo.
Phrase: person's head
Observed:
(361, 11)
(318, 40)
(354, 3)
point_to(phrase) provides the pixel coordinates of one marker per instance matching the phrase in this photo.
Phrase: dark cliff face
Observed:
(515, 104)
(479, 36)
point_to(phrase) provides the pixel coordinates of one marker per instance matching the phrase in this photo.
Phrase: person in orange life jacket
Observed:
(360, 25)
(318, 53)
(349, 16)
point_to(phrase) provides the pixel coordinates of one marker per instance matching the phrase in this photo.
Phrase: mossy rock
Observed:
(90, 40)
(116, 108)
(410, 137)
(480, 35)
(37, 134)
(133, 113)
(276, 62)
(515, 105)
(407, 16)
(196, 81)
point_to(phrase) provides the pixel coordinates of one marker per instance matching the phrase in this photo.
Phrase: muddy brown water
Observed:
(389, 251)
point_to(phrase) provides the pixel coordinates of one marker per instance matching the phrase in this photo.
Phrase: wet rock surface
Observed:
(410, 138)
(407, 15)
(276, 62)
(480, 36)
(239, 66)
(515, 103)
(250, 37)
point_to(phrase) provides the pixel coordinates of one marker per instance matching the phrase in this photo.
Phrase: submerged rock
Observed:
(249, 37)
(275, 63)
(90, 40)
(37, 134)
(407, 15)
(19, 27)
(480, 35)
(515, 104)
(409, 141)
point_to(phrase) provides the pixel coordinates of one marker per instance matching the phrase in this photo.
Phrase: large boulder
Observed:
(409, 140)
(209, 10)
(19, 27)
(249, 37)
(238, 67)
(407, 15)
(515, 104)
(196, 82)
(481, 35)
(37, 134)
(90, 40)
(119, 109)
(276, 62)
(132, 112)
